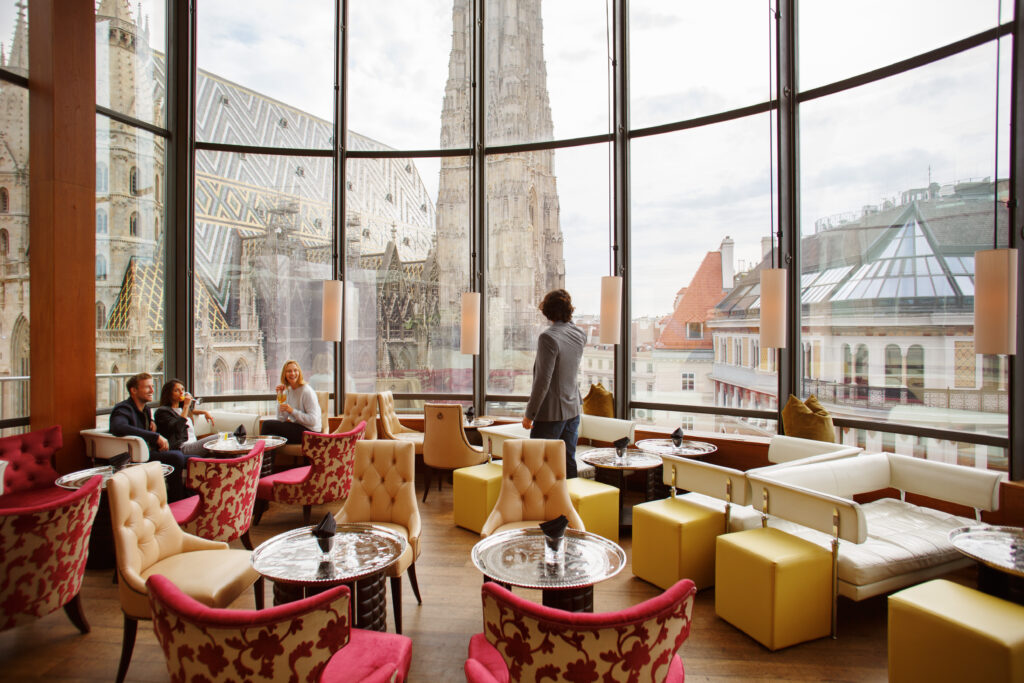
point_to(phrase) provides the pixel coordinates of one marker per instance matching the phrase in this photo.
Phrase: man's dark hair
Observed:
(133, 381)
(557, 306)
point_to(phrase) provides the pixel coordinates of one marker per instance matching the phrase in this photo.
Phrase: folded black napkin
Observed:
(240, 435)
(677, 437)
(554, 529)
(120, 461)
(620, 446)
(324, 532)
(469, 414)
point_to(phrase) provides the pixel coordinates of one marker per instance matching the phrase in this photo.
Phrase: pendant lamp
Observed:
(611, 309)
(772, 326)
(333, 294)
(470, 333)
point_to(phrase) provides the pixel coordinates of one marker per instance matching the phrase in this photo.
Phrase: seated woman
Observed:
(174, 419)
(298, 409)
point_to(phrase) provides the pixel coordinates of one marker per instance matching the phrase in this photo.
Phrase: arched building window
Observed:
(5, 242)
(133, 180)
(860, 371)
(893, 366)
(133, 224)
(101, 222)
(101, 315)
(220, 372)
(102, 178)
(847, 364)
(915, 372)
(5, 200)
(101, 267)
(240, 376)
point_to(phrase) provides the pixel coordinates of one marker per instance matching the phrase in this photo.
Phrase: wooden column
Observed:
(62, 185)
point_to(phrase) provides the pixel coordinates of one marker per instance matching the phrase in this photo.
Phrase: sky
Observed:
(689, 189)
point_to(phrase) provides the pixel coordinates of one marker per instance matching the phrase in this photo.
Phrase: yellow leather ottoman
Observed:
(475, 490)
(674, 539)
(597, 505)
(774, 587)
(942, 631)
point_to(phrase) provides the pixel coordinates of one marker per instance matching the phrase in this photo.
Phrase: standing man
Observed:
(131, 417)
(553, 411)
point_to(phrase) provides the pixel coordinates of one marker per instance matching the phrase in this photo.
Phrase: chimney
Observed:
(766, 246)
(728, 267)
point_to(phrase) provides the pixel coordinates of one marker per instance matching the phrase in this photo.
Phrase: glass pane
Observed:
(691, 59)
(696, 424)
(262, 245)
(545, 232)
(131, 59)
(409, 78)
(14, 252)
(919, 175)
(265, 77)
(695, 258)
(831, 34)
(14, 23)
(406, 280)
(130, 278)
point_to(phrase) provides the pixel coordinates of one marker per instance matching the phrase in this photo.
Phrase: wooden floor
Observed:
(52, 649)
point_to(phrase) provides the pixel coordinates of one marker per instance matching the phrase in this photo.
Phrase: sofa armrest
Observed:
(705, 478)
(608, 429)
(782, 449)
(102, 445)
(968, 486)
(812, 509)
(226, 421)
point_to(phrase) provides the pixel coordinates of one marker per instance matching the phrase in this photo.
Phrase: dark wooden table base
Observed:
(369, 599)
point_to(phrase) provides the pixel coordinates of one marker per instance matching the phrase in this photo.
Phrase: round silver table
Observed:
(231, 447)
(360, 554)
(516, 558)
(634, 459)
(687, 449)
(999, 551)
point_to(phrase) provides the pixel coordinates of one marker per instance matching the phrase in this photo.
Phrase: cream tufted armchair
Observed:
(391, 428)
(384, 494)
(444, 442)
(533, 488)
(358, 408)
(148, 541)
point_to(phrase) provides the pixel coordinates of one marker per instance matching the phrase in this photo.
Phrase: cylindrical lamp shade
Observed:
(995, 301)
(331, 317)
(611, 309)
(773, 308)
(470, 342)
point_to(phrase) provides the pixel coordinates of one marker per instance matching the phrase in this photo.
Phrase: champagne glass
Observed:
(281, 397)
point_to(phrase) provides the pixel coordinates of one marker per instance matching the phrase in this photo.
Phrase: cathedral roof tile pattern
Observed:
(696, 305)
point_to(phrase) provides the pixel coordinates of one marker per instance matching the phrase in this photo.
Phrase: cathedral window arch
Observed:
(5, 242)
(133, 180)
(101, 315)
(240, 376)
(156, 186)
(102, 178)
(101, 221)
(133, 224)
(893, 366)
(101, 267)
(915, 371)
(5, 200)
(220, 372)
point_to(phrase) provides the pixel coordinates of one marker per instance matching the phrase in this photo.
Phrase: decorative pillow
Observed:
(599, 402)
(807, 420)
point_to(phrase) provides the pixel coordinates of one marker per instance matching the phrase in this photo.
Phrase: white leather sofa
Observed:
(592, 428)
(885, 544)
(100, 444)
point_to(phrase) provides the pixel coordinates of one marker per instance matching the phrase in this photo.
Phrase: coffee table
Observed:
(516, 558)
(230, 447)
(606, 460)
(999, 551)
(687, 449)
(361, 553)
(101, 541)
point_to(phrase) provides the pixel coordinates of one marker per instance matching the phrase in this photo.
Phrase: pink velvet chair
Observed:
(327, 479)
(306, 640)
(524, 641)
(44, 532)
(227, 494)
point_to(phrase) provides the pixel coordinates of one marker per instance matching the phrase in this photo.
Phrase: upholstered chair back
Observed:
(636, 644)
(533, 487)
(330, 469)
(383, 487)
(293, 641)
(43, 550)
(227, 495)
(30, 461)
(388, 417)
(444, 439)
(359, 408)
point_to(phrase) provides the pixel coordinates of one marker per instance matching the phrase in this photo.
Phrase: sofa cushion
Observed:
(598, 401)
(807, 420)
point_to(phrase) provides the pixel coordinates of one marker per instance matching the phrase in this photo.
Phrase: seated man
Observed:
(131, 417)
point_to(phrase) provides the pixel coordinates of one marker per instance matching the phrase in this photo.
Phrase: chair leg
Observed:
(73, 608)
(131, 627)
(415, 584)
(396, 601)
(307, 514)
(258, 510)
(429, 477)
(246, 541)
(257, 588)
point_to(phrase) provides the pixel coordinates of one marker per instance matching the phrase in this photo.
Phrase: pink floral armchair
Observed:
(524, 641)
(327, 479)
(227, 494)
(43, 549)
(306, 640)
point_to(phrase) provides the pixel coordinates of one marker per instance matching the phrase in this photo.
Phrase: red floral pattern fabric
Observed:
(330, 472)
(43, 552)
(227, 494)
(292, 642)
(540, 643)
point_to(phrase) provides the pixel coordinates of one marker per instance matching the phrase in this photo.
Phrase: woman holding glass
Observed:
(298, 409)
(174, 419)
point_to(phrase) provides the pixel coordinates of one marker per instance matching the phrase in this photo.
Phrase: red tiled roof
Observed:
(695, 306)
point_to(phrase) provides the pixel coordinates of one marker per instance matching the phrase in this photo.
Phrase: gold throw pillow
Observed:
(598, 401)
(807, 420)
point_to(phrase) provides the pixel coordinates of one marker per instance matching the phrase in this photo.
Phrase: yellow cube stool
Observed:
(475, 490)
(942, 631)
(597, 505)
(674, 539)
(774, 587)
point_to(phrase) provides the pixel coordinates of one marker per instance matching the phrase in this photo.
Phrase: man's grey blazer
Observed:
(555, 395)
